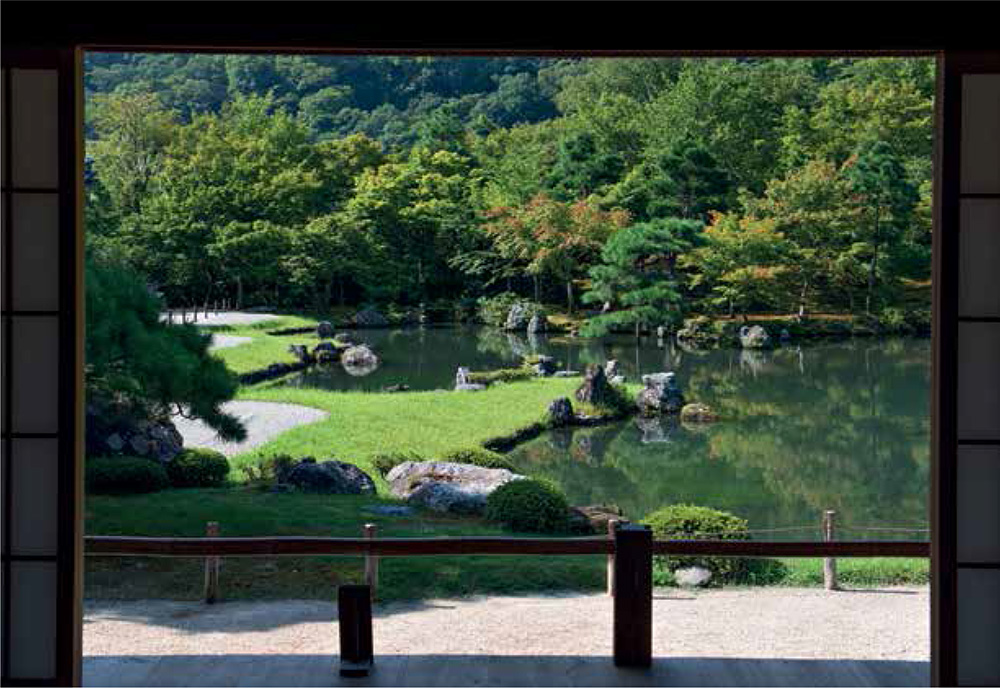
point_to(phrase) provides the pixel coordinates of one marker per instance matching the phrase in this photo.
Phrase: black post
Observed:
(354, 606)
(633, 602)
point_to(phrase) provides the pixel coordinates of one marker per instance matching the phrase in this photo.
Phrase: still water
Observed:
(838, 425)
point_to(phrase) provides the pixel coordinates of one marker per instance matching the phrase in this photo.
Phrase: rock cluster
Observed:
(462, 383)
(447, 487)
(595, 388)
(117, 431)
(662, 394)
(560, 412)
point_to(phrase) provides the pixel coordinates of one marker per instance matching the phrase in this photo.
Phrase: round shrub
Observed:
(688, 522)
(529, 506)
(124, 475)
(480, 457)
(198, 468)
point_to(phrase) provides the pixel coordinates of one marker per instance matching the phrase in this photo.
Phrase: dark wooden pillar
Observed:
(633, 602)
(354, 606)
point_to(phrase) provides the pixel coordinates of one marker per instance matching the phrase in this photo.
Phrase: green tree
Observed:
(885, 200)
(581, 168)
(636, 275)
(135, 359)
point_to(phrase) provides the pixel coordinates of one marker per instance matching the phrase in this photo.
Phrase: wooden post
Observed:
(371, 561)
(633, 603)
(612, 526)
(829, 563)
(354, 609)
(212, 567)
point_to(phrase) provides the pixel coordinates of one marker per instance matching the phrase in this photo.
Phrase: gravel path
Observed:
(226, 318)
(264, 420)
(790, 623)
(225, 341)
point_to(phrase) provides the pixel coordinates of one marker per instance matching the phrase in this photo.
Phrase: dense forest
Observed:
(645, 188)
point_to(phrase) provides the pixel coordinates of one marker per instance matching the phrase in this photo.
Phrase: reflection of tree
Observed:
(836, 426)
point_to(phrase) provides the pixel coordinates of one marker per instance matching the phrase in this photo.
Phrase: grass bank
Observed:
(263, 349)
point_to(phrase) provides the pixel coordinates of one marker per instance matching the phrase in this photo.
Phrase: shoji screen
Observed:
(967, 537)
(40, 351)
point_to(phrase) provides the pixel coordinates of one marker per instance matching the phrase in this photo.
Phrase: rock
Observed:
(445, 486)
(595, 388)
(343, 338)
(359, 357)
(566, 373)
(755, 337)
(326, 352)
(698, 413)
(661, 332)
(469, 387)
(461, 376)
(369, 317)
(327, 477)
(617, 380)
(692, 577)
(396, 388)
(785, 335)
(536, 324)
(612, 368)
(114, 428)
(518, 317)
(661, 395)
(545, 366)
(301, 353)
(560, 412)
(593, 519)
(324, 330)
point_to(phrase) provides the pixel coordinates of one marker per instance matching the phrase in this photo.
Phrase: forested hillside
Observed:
(650, 187)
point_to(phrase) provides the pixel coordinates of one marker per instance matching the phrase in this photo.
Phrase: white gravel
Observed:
(226, 341)
(264, 420)
(791, 623)
(225, 318)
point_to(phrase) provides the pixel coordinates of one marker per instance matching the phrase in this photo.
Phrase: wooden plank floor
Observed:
(477, 670)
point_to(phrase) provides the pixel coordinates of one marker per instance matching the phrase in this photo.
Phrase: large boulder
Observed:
(593, 519)
(324, 330)
(326, 352)
(536, 324)
(662, 394)
(612, 369)
(447, 487)
(115, 430)
(359, 360)
(595, 388)
(692, 577)
(519, 316)
(560, 412)
(754, 337)
(369, 317)
(327, 477)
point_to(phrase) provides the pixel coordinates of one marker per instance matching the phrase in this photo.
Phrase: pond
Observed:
(840, 425)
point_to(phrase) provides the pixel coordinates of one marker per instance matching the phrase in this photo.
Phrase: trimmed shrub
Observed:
(124, 475)
(198, 468)
(688, 522)
(263, 473)
(480, 457)
(528, 506)
(383, 463)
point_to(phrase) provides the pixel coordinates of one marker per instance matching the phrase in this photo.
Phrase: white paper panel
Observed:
(981, 133)
(979, 504)
(33, 620)
(978, 627)
(978, 381)
(35, 265)
(34, 97)
(35, 374)
(979, 278)
(34, 500)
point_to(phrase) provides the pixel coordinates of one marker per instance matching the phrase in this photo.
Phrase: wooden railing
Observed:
(630, 549)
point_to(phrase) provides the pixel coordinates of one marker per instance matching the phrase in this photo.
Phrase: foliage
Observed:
(480, 457)
(198, 467)
(134, 358)
(493, 310)
(688, 522)
(124, 475)
(263, 472)
(529, 506)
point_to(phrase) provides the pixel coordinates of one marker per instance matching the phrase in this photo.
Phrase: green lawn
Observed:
(264, 349)
(430, 424)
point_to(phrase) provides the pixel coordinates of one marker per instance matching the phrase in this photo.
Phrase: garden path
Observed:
(264, 420)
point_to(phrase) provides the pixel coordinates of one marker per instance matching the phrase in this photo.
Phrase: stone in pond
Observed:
(595, 388)
(692, 577)
(545, 366)
(359, 360)
(560, 412)
(698, 413)
(324, 330)
(662, 394)
(447, 487)
(755, 337)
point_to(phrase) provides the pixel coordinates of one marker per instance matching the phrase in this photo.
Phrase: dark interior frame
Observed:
(55, 35)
